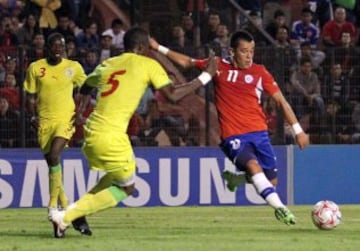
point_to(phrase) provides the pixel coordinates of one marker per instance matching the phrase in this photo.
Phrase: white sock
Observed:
(266, 190)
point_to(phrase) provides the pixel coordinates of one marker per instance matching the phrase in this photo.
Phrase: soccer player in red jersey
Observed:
(238, 85)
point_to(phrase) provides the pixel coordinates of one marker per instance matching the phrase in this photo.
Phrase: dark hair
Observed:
(279, 13)
(116, 21)
(305, 60)
(306, 10)
(240, 35)
(305, 44)
(53, 37)
(135, 36)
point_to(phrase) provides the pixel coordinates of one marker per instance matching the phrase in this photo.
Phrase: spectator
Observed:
(26, 33)
(71, 50)
(9, 122)
(336, 92)
(179, 42)
(15, 23)
(117, 32)
(282, 52)
(11, 67)
(63, 28)
(333, 29)
(187, 23)
(350, 7)
(107, 49)
(10, 91)
(250, 6)
(279, 20)
(171, 119)
(304, 30)
(305, 91)
(91, 60)
(336, 87)
(7, 37)
(316, 57)
(355, 137)
(37, 49)
(11, 7)
(337, 124)
(253, 28)
(78, 10)
(322, 11)
(75, 29)
(346, 54)
(221, 44)
(88, 39)
(208, 32)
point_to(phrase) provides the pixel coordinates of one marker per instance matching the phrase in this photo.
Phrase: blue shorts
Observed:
(255, 145)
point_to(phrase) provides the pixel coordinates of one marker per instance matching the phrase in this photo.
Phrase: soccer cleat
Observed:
(57, 219)
(284, 215)
(81, 225)
(233, 180)
(50, 210)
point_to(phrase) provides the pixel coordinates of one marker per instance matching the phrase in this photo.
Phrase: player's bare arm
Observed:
(302, 139)
(174, 94)
(180, 59)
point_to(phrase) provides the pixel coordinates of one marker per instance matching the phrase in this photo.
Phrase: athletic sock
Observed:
(266, 190)
(88, 204)
(55, 183)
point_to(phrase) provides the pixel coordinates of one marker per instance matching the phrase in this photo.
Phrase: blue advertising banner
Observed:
(327, 172)
(165, 177)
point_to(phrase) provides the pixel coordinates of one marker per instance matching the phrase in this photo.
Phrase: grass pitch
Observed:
(182, 228)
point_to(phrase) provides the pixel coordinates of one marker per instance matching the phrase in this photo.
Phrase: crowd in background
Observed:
(318, 53)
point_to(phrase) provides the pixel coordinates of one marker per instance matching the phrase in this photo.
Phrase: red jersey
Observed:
(333, 30)
(238, 97)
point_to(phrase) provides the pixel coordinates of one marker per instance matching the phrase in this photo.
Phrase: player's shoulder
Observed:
(71, 62)
(39, 62)
(224, 63)
(258, 67)
(147, 62)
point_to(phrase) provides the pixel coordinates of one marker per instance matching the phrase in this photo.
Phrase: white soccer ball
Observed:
(326, 215)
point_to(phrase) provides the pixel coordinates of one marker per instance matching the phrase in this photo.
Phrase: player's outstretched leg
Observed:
(81, 225)
(233, 180)
(284, 215)
(57, 218)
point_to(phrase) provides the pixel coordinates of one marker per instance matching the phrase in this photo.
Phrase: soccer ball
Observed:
(326, 215)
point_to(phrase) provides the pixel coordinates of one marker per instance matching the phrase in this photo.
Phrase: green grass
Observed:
(181, 228)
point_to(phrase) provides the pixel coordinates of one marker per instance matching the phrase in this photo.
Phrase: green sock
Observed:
(102, 200)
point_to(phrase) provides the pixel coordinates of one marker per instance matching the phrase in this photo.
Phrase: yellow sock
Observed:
(56, 187)
(55, 184)
(64, 202)
(88, 204)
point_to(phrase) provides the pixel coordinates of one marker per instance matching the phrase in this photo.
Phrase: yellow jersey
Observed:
(121, 82)
(54, 86)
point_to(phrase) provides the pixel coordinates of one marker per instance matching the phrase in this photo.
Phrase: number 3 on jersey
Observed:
(113, 82)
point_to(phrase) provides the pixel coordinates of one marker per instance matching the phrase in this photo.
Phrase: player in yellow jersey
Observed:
(50, 83)
(120, 81)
